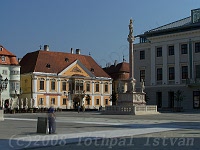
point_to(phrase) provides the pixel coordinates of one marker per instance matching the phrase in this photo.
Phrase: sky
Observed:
(96, 27)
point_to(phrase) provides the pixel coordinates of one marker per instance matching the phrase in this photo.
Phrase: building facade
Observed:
(120, 75)
(10, 69)
(167, 58)
(65, 80)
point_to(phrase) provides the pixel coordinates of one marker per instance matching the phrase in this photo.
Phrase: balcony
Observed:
(193, 82)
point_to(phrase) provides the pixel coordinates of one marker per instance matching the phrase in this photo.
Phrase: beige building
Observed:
(168, 59)
(64, 80)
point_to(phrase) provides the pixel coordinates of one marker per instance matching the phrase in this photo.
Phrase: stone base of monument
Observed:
(1, 115)
(131, 110)
(131, 104)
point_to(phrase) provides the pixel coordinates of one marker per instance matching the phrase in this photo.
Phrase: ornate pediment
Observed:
(76, 69)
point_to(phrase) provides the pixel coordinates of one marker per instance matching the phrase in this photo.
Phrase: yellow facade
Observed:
(67, 89)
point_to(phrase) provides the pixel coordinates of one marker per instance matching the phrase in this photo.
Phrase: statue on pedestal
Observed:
(142, 86)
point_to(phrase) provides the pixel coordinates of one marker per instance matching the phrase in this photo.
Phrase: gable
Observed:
(76, 69)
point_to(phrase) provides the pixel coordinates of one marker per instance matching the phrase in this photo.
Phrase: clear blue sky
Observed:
(96, 26)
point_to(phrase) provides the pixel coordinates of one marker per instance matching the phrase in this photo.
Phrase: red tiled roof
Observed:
(118, 72)
(10, 58)
(38, 60)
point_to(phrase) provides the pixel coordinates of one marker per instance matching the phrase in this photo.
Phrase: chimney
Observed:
(78, 51)
(46, 47)
(115, 64)
(72, 52)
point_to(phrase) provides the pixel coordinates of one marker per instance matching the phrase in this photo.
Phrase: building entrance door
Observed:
(76, 102)
(171, 99)
(159, 99)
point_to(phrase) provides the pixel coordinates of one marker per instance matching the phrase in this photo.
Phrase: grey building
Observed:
(168, 59)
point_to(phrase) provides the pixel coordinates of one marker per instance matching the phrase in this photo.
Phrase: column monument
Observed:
(131, 102)
(131, 97)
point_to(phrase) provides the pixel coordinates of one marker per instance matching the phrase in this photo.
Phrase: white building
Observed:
(168, 59)
(10, 69)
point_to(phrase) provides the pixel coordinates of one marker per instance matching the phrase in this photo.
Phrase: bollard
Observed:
(1, 115)
(42, 125)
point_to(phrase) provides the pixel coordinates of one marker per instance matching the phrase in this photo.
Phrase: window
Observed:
(97, 87)
(88, 100)
(196, 99)
(159, 74)
(13, 72)
(106, 87)
(197, 47)
(184, 49)
(41, 85)
(41, 101)
(88, 86)
(12, 86)
(64, 84)
(53, 101)
(197, 71)
(142, 55)
(171, 50)
(171, 73)
(159, 51)
(64, 101)
(122, 88)
(53, 85)
(184, 72)
(97, 101)
(142, 75)
(70, 86)
(4, 72)
(79, 85)
(3, 58)
(106, 101)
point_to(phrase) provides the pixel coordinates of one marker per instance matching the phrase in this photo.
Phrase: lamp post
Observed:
(3, 86)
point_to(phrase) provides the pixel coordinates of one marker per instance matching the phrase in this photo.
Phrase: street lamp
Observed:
(3, 86)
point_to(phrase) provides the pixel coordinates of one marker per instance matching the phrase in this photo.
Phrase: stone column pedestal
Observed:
(131, 99)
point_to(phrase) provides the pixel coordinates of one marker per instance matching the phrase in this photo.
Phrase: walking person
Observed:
(51, 120)
(79, 108)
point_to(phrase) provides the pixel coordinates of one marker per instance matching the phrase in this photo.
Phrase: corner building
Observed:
(168, 59)
(10, 69)
(64, 80)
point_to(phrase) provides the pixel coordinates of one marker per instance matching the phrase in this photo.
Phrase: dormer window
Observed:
(3, 58)
(92, 69)
(48, 65)
(1, 48)
(67, 59)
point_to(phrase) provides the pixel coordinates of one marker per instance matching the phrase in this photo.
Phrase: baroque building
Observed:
(120, 75)
(167, 58)
(65, 80)
(9, 69)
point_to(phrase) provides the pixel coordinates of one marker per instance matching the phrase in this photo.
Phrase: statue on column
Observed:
(142, 86)
(130, 36)
(132, 85)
